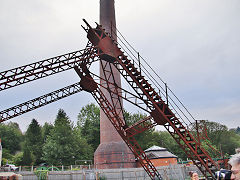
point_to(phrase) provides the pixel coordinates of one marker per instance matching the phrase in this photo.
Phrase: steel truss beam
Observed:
(39, 102)
(141, 126)
(41, 69)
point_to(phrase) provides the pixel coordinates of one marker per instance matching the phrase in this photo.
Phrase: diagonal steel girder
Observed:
(44, 68)
(39, 102)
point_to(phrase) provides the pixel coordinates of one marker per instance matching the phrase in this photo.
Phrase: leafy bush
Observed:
(41, 174)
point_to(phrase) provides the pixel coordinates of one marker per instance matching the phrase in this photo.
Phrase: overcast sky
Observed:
(194, 45)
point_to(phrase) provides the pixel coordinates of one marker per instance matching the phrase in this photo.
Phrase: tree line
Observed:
(63, 143)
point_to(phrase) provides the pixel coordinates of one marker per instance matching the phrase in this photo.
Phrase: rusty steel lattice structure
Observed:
(101, 47)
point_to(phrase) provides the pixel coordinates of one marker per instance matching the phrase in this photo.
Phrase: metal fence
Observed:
(74, 172)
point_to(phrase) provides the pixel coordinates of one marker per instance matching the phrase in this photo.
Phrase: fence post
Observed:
(32, 169)
(71, 167)
(122, 175)
(84, 175)
(62, 168)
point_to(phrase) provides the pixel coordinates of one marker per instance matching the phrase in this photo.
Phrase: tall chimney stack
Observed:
(112, 151)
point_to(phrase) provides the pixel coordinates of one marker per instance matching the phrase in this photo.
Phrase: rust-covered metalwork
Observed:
(145, 96)
(159, 109)
(39, 102)
(113, 116)
(24, 74)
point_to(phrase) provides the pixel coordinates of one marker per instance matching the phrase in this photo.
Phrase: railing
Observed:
(156, 81)
(50, 168)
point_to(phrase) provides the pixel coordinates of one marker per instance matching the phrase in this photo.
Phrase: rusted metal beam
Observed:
(141, 126)
(39, 102)
(44, 68)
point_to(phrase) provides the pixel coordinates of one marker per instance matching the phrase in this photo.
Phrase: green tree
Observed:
(229, 142)
(11, 137)
(18, 159)
(238, 130)
(59, 146)
(46, 130)
(27, 157)
(144, 139)
(82, 149)
(164, 139)
(89, 123)
(224, 139)
(34, 141)
(220, 137)
(6, 154)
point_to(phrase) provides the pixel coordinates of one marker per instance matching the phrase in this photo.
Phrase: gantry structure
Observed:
(148, 95)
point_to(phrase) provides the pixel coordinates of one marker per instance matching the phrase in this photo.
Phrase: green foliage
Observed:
(46, 130)
(18, 159)
(27, 158)
(210, 148)
(215, 131)
(34, 141)
(144, 139)
(4, 161)
(224, 139)
(11, 137)
(102, 177)
(6, 154)
(63, 144)
(82, 149)
(41, 174)
(238, 130)
(89, 123)
(220, 137)
(164, 139)
(59, 147)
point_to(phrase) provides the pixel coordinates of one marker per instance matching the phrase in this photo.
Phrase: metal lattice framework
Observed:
(39, 102)
(101, 47)
(44, 68)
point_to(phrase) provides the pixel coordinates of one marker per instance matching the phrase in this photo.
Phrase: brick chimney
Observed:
(112, 151)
